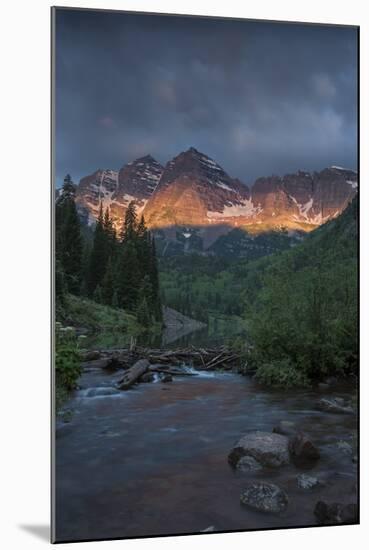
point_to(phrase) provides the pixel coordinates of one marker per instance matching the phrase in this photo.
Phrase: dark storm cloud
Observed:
(260, 98)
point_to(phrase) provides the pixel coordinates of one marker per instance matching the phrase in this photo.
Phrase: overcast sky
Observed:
(259, 98)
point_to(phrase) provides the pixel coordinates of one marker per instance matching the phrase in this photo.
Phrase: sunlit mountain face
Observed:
(193, 198)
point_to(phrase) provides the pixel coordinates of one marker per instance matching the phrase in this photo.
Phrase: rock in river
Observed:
(266, 497)
(334, 405)
(268, 449)
(147, 377)
(335, 513)
(248, 464)
(307, 482)
(302, 449)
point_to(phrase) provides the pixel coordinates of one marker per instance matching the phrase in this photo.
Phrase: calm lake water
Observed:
(153, 460)
(218, 331)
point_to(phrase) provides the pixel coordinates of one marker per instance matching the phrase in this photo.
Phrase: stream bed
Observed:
(153, 460)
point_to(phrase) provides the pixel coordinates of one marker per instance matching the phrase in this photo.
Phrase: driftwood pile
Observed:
(201, 358)
(137, 361)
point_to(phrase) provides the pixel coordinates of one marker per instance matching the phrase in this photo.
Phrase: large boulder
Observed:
(302, 449)
(335, 405)
(268, 449)
(265, 497)
(335, 513)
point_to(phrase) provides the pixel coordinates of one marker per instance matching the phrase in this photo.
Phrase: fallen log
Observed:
(223, 360)
(92, 355)
(214, 360)
(133, 374)
(96, 363)
(174, 371)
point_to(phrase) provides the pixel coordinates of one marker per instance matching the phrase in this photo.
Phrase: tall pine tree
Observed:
(99, 255)
(69, 245)
(129, 228)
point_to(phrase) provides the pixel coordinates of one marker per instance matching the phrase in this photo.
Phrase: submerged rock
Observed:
(335, 405)
(307, 482)
(302, 449)
(266, 497)
(248, 464)
(268, 449)
(336, 513)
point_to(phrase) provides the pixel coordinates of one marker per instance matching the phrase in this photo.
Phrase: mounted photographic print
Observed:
(205, 268)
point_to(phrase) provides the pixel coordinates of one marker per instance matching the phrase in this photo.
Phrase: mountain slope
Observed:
(192, 202)
(135, 181)
(302, 309)
(194, 190)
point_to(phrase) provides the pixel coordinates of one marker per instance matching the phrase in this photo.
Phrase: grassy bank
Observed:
(77, 311)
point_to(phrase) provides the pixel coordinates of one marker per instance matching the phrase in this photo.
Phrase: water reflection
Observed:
(217, 332)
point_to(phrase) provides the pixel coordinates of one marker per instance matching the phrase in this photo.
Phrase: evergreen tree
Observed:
(129, 228)
(107, 285)
(143, 313)
(127, 280)
(97, 295)
(68, 237)
(99, 255)
(124, 274)
(143, 247)
(154, 280)
(59, 284)
(114, 301)
(110, 233)
(146, 291)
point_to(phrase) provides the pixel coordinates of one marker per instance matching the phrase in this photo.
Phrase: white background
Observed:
(25, 266)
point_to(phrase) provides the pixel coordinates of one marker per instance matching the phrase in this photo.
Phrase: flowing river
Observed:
(153, 460)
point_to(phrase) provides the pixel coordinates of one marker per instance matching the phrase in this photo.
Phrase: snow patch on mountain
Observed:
(244, 208)
(352, 183)
(224, 186)
(304, 209)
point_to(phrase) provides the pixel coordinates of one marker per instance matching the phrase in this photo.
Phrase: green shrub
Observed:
(281, 374)
(67, 359)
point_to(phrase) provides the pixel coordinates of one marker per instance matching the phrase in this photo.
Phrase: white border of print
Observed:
(25, 268)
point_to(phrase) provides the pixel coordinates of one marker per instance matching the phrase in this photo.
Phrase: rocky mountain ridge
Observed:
(193, 201)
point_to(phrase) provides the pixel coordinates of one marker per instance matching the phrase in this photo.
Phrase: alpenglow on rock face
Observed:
(136, 181)
(195, 190)
(193, 194)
